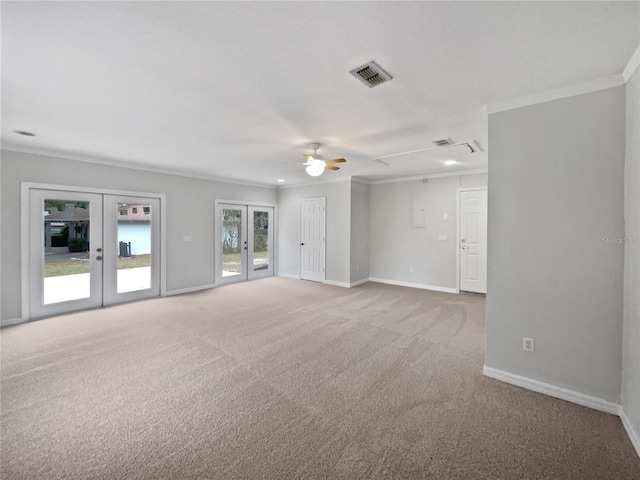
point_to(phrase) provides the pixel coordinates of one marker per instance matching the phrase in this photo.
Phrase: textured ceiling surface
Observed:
(238, 90)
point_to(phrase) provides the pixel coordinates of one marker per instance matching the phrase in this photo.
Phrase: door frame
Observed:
(25, 261)
(459, 219)
(217, 233)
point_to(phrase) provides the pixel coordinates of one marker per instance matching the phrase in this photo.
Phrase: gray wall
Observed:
(359, 231)
(338, 217)
(395, 245)
(555, 271)
(190, 211)
(631, 337)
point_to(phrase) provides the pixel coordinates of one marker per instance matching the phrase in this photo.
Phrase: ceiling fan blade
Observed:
(336, 160)
(331, 167)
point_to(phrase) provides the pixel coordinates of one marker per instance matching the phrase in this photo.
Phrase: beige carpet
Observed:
(285, 379)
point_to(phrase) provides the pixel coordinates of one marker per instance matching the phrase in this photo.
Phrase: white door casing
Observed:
(312, 239)
(472, 245)
(248, 261)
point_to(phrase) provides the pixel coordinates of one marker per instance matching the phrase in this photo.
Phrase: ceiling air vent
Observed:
(371, 74)
(444, 142)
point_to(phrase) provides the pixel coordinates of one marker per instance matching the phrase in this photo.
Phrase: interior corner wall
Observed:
(555, 273)
(396, 246)
(631, 330)
(359, 231)
(189, 211)
(338, 229)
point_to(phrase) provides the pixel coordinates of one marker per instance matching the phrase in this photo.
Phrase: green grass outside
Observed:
(231, 261)
(79, 264)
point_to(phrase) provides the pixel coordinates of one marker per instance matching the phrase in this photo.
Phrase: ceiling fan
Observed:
(315, 166)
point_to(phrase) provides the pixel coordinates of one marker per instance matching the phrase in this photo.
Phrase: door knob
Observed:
(98, 249)
(302, 244)
(98, 257)
(464, 247)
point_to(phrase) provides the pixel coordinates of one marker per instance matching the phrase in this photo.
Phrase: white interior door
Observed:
(246, 248)
(76, 255)
(312, 239)
(473, 240)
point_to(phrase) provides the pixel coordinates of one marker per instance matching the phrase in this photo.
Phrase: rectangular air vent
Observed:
(444, 142)
(371, 74)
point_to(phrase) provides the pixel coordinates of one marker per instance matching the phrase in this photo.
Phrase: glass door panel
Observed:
(234, 243)
(134, 246)
(260, 247)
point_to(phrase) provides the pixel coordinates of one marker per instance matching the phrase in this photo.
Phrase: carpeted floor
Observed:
(285, 379)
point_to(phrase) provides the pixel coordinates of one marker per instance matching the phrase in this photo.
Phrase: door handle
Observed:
(98, 249)
(302, 244)
(464, 247)
(98, 257)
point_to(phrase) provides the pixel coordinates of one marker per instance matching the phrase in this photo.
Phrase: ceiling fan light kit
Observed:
(315, 166)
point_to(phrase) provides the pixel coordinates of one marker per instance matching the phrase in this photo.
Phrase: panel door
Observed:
(473, 241)
(312, 240)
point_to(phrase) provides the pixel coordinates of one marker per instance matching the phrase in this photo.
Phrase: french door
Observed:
(87, 250)
(245, 248)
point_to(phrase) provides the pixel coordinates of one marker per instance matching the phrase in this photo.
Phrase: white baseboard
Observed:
(553, 391)
(414, 285)
(337, 284)
(12, 321)
(289, 275)
(188, 290)
(634, 435)
(346, 285)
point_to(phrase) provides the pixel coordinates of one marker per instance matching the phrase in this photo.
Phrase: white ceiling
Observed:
(238, 90)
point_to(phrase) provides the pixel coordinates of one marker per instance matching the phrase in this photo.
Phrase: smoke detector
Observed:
(371, 74)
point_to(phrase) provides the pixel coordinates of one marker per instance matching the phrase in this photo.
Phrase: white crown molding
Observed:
(10, 147)
(313, 183)
(434, 175)
(591, 86)
(632, 66)
(552, 390)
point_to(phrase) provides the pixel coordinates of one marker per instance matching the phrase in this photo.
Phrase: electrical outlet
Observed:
(528, 344)
(410, 269)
